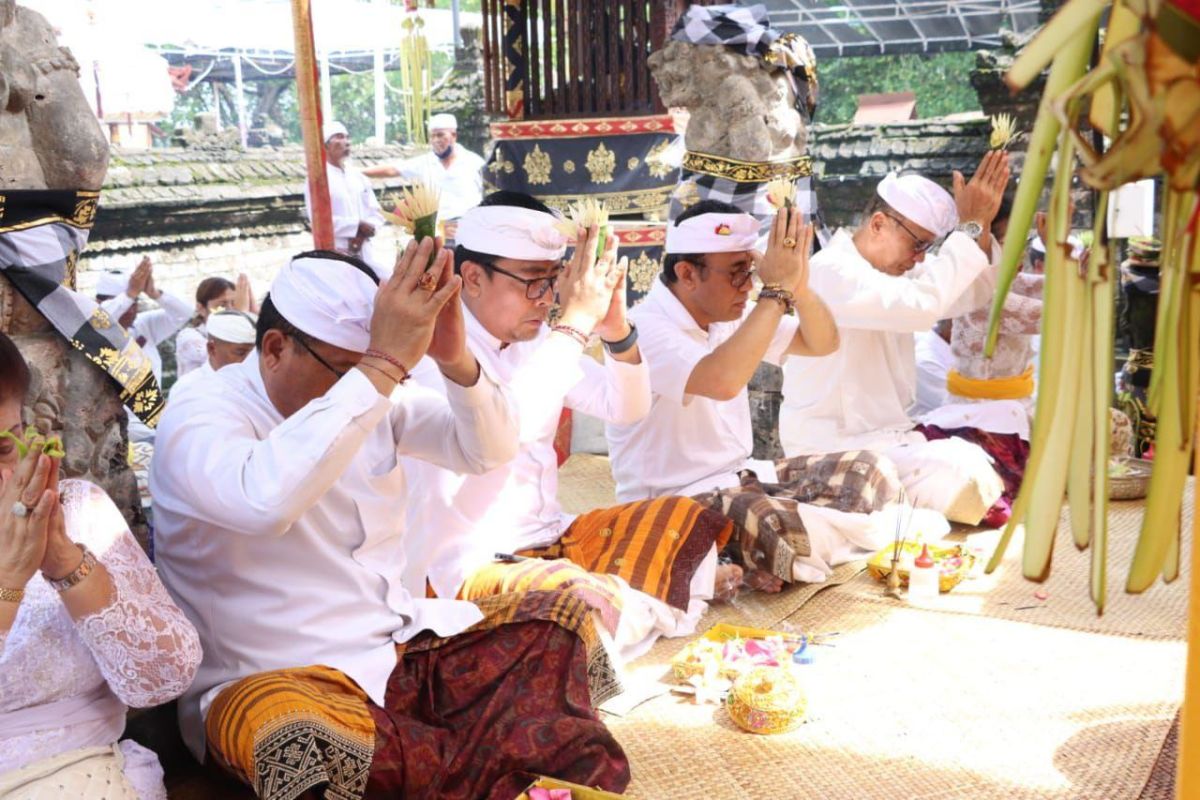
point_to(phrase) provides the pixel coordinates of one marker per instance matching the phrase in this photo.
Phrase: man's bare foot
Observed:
(728, 582)
(762, 581)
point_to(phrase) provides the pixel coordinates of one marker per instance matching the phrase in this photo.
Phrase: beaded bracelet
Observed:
(12, 595)
(773, 291)
(574, 333)
(395, 362)
(381, 371)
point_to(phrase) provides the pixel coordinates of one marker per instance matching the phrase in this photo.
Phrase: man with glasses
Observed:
(279, 523)
(703, 339)
(646, 569)
(883, 289)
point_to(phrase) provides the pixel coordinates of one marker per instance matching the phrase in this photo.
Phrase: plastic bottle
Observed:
(923, 578)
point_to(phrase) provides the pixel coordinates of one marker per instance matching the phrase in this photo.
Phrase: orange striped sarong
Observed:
(285, 731)
(656, 546)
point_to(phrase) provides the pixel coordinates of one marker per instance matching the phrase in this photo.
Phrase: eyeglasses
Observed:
(738, 278)
(303, 342)
(919, 245)
(535, 288)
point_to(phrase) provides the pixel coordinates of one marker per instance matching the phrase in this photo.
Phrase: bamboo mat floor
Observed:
(991, 692)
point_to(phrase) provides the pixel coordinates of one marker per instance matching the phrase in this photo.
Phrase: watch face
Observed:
(972, 229)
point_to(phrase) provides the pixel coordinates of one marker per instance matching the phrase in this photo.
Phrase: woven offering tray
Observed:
(735, 650)
(953, 563)
(767, 700)
(1128, 478)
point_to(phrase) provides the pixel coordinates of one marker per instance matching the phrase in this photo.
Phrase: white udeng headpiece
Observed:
(112, 283)
(921, 200)
(328, 299)
(512, 232)
(713, 233)
(332, 129)
(443, 121)
(235, 327)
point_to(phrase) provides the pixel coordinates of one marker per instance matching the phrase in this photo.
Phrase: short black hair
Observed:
(876, 205)
(269, 317)
(670, 260)
(501, 198)
(517, 199)
(14, 372)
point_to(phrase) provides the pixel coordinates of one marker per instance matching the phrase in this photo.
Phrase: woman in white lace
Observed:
(86, 629)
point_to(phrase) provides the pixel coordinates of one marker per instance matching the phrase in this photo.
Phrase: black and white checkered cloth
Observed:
(743, 28)
(38, 257)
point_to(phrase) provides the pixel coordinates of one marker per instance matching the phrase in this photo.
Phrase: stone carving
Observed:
(738, 109)
(50, 139)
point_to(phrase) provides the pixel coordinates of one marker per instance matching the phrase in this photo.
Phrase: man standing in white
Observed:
(452, 169)
(356, 213)
(702, 339)
(882, 290)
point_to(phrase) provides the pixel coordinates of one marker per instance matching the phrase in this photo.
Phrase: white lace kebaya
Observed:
(138, 651)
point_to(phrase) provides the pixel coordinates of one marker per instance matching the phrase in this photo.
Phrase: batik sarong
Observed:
(768, 530)
(464, 717)
(655, 546)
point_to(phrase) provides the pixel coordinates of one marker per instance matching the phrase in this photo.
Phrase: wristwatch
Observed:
(971, 228)
(618, 347)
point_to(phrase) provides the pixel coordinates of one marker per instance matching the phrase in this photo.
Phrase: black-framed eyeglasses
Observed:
(919, 245)
(303, 341)
(535, 288)
(739, 278)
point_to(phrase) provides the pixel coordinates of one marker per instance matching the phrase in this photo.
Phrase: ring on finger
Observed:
(427, 281)
(19, 509)
(789, 241)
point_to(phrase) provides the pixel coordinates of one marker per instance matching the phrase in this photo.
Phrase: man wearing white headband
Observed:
(883, 288)
(356, 212)
(510, 258)
(455, 171)
(118, 293)
(279, 505)
(230, 339)
(703, 339)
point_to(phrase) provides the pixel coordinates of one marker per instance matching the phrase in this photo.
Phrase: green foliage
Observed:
(940, 82)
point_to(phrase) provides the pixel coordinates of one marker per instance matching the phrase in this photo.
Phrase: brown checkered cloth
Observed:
(768, 531)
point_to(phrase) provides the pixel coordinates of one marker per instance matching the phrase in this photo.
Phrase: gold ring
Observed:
(427, 281)
(789, 241)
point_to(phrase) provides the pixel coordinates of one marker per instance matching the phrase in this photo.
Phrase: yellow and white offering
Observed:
(583, 215)
(767, 700)
(416, 210)
(781, 193)
(1004, 131)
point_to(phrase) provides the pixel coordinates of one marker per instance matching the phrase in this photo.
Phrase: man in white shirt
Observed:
(356, 212)
(656, 562)
(448, 167)
(882, 290)
(703, 339)
(118, 293)
(279, 507)
(230, 340)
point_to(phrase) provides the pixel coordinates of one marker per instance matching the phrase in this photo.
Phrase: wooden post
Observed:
(1188, 785)
(308, 92)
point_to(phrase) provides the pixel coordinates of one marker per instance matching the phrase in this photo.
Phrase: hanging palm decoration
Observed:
(1144, 96)
(416, 77)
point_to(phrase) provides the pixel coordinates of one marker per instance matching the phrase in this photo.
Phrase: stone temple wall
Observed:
(200, 212)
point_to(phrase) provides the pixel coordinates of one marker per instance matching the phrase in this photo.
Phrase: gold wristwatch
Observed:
(77, 575)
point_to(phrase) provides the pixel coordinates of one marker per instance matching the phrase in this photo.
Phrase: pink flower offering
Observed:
(538, 793)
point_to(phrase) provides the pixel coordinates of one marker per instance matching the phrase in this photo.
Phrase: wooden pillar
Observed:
(308, 91)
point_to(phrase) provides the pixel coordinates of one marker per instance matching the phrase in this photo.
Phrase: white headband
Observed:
(443, 122)
(713, 233)
(512, 232)
(328, 299)
(112, 283)
(233, 327)
(920, 200)
(332, 129)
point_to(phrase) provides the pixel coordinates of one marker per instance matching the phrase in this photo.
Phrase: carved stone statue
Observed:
(50, 139)
(738, 108)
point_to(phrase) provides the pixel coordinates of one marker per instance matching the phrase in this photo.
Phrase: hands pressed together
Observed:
(33, 535)
(591, 290)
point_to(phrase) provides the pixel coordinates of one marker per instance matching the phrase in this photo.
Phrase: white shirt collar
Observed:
(661, 295)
